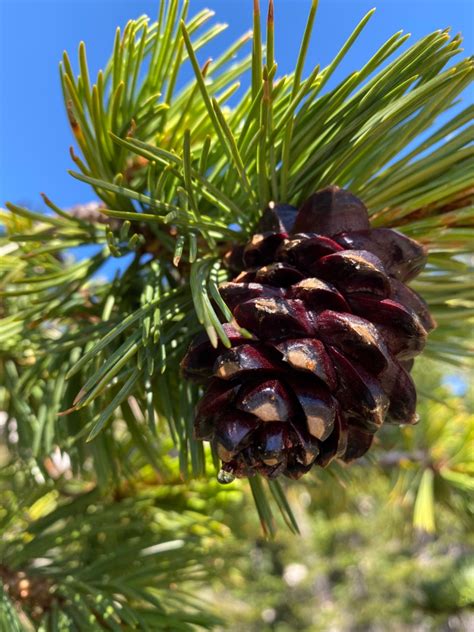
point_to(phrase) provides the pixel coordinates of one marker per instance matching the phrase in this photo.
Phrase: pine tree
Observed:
(111, 511)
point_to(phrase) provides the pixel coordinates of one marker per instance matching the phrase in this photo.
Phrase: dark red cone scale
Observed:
(199, 361)
(267, 400)
(279, 274)
(317, 295)
(363, 400)
(354, 272)
(402, 257)
(245, 359)
(334, 333)
(310, 355)
(261, 249)
(318, 407)
(274, 318)
(356, 337)
(331, 211)
(305, 250)
(278, 218)
(236, 293)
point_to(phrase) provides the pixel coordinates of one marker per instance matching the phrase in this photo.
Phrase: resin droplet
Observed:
(224, 477)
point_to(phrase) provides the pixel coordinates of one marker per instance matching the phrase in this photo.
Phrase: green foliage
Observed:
(355, 571)
(90, 366)
(74, 558)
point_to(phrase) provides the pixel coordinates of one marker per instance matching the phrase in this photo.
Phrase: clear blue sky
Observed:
(33, 33)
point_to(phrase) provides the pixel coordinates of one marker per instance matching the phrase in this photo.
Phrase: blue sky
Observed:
(34, 134)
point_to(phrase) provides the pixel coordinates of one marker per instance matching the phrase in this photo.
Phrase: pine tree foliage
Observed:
(92, 561)
(183, 158)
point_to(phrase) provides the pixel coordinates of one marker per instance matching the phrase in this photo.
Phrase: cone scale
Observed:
(334, 333)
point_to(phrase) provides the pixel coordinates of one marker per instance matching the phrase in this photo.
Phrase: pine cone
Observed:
(334, 333)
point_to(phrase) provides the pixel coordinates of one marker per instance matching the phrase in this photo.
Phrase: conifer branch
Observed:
(176, 175)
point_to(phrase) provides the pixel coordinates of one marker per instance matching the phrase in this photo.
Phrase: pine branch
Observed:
(77, 558)
(177, 175)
